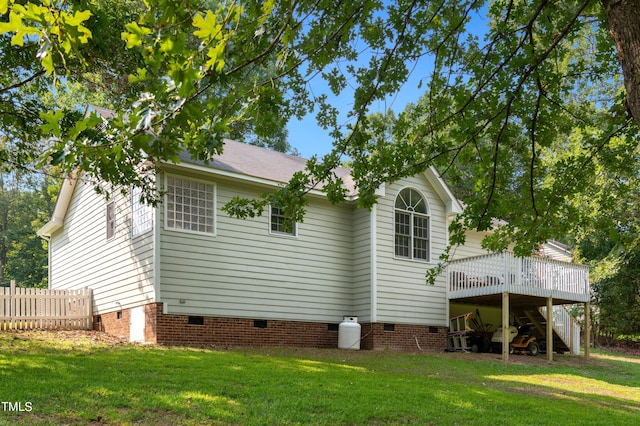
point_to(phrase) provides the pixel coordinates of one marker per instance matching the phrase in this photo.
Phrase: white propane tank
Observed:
(349, 333)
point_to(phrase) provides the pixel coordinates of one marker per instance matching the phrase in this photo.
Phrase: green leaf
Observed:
(39, 14)
(142, 76)
(136, 34)
(266, 9)
(78, 18)
(52, 122)
(216, 57)
(47, 63)
(16, 25)
(209, 27)
(81, 125)
(73, 31)
(57, 157)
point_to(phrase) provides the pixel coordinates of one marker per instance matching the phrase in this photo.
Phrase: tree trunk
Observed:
(623, 20)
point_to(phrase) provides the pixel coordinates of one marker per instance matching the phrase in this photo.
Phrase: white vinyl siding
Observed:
(362, 277)
(244, 272)
(472, 246)
(120, 270)
(341, 262)
(403, 295)
(554, 252)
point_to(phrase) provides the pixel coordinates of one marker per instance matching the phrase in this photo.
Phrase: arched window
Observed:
(411, 225)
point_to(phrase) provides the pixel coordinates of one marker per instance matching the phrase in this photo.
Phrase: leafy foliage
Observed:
(609, 240)
(25, 205)
(618, 298)
(523, 103)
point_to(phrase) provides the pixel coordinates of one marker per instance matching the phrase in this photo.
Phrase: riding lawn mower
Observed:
(521, 340)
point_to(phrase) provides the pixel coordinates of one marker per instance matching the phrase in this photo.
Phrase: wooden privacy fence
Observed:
(37, 308)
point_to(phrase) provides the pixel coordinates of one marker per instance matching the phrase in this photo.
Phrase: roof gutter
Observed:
(60, 210)
(253, 179)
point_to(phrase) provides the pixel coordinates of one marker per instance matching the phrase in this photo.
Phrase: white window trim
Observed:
(115, 219)
(411, 258)
(293, 234)
(215, 207)
(135, 200)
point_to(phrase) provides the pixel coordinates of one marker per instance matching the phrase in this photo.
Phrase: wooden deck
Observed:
(525, 285)
(529, 281)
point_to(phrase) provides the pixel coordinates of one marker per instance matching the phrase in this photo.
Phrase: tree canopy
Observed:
(26, 202)
(529, 106)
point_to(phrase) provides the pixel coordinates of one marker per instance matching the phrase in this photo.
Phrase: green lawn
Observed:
(89, 380)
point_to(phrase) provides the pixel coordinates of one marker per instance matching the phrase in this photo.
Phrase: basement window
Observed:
(332, 327)
(434, 330)
(260, 323)
(389, 327)
(195, 321)
(119, 315)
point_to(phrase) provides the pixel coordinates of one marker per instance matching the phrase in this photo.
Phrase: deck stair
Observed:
(519, 285)
(537, 319)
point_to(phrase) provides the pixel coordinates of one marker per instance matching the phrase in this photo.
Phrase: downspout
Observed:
(156, 257)
(447, 303)
(374, 263)
(47, 238)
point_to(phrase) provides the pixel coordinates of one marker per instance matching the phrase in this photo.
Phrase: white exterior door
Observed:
(136, 325)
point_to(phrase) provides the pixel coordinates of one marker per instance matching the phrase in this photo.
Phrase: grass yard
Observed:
(86, 378)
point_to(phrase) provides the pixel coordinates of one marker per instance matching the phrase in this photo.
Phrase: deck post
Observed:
(549, 329)
(587, 329)
(505, 326)
(572, 336)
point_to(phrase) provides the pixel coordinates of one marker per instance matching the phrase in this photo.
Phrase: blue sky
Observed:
(309, 139)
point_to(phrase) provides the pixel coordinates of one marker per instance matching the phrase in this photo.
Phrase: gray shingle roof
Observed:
(251, 160)
(254, 161)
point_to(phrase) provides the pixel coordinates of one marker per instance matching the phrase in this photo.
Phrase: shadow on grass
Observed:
(128, 384)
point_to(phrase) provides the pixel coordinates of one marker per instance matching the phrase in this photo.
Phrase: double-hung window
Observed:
(411, 225)
(141, 213)
(190, 205)
(111, 220)
(280, 223)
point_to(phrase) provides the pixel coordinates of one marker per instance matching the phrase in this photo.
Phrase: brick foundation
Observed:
(114, 323)
(403, 337)
(195, 330)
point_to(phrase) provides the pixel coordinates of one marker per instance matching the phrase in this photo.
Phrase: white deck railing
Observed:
(565, 326)
(532, 276)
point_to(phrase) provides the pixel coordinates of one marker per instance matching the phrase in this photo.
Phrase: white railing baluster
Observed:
(490, 274)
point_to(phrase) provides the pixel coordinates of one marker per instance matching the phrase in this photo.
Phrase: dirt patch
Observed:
(515, 359)
(86, 337)
(633, 350)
